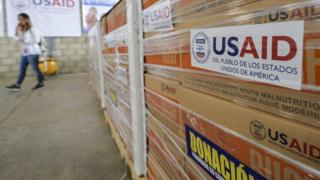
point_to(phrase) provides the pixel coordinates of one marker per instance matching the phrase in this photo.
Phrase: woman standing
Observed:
(29, 38)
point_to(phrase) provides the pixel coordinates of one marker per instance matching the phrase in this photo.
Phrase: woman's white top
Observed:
(30, 41)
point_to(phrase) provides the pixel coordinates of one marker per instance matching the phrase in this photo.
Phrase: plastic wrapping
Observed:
(302, 106)
(256, 160)
(93, 60)
(116, 75)
(174, 42)
(212, 13)
(168, 55)
(115, 18)
(124, 94)
(120, 117)
(119, 109)
(178, 41)
(118, 37)
(187, 10)
(238, 118)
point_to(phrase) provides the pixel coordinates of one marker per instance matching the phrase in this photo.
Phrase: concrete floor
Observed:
(57, 133)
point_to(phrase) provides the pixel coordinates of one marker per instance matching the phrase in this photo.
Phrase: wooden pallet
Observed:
(122, 148)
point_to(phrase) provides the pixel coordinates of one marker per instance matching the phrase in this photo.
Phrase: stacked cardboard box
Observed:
(210, 123)
(93, 70)
(116, 73)
(302, 105)
(174, 107)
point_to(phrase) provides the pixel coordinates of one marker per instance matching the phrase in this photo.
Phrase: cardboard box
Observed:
(103, 25)
(118, 108)
(113, 51)
(254, 9)
(164, 72)
(172, 54)
(191, 14)
(296, 105)
(228, 147)
(111, 23)
(121, 13)
(121, 126)
(165, 87)
(175, 149)
(279, 134)
(148, 3)
(175, 128)
(116, 17)
(260, 159)
(187, 11)
(303, 106)
(195, 172)
(311, 60)
(165, 158)
(154, 170)
(166, 137)
(166, 112)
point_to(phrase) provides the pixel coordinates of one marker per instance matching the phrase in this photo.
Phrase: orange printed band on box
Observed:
(120, 50)
(147, 3)
(258, 159)
(154, 170)
(170, 161)
(302, 106)
(275, 132)
(164, 111)
(245, 153)
(115, 18)
(120, 14)
(311, 59)
(168, 89)
(270, 131)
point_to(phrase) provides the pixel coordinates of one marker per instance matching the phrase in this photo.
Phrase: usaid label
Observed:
(268, 53)
(309, 151)
(158, 17)
(53, 18)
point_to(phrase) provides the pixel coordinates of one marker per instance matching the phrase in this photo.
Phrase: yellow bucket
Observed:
(48, 67)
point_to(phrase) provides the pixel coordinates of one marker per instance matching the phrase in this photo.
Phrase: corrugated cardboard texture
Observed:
(295, 140)
(257, 158)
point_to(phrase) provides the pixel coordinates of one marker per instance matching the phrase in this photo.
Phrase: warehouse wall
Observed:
(71, 54)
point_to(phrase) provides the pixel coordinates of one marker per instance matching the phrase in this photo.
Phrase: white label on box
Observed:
(117, 37)
(158, 17)
(269, 53)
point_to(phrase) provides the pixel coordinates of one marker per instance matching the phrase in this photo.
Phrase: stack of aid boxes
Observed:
(205, 121)
(116, 74)
(93, 69)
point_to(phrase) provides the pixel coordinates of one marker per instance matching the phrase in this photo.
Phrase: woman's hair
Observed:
(26, 17)
(93, 10)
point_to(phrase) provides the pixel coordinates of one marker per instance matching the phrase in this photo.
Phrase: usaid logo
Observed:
(26, 4)
(21, 4)
(146, 19)
(257, 130)
(201, 47)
